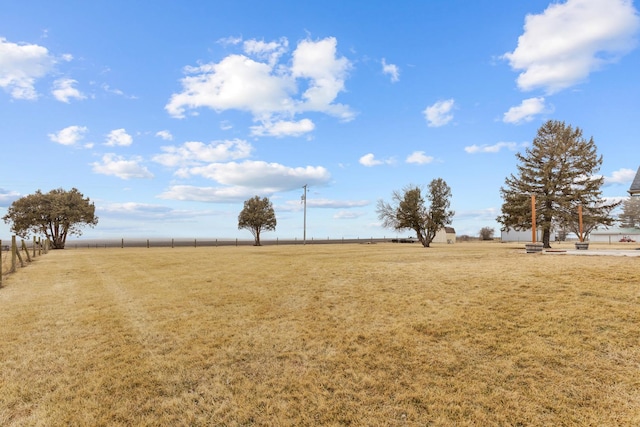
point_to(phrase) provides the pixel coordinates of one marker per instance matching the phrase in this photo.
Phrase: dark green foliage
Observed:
(257, 216)
(560, 169)
(56, 214)
(630, 216)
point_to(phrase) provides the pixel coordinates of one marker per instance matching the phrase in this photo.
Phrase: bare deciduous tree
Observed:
(410, 211)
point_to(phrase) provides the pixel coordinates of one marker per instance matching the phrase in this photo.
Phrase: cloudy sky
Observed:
(168, 119)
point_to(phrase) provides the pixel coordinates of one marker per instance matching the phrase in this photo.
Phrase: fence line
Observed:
(209, 242)
(11, 255)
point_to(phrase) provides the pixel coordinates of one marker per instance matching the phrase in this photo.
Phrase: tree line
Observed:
(559, 171)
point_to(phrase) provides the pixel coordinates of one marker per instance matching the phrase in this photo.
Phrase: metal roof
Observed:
(635, 185)
(616, 231)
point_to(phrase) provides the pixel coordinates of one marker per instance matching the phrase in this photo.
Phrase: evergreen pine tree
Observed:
(630, 216)
(560, 169)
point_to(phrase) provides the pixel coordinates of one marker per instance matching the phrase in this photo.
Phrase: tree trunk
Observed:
(57, 244)
(422, 238)
(546, 237)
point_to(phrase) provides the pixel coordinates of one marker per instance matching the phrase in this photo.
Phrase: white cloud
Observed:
(194, 153)
(21, 65)
(472, 149)
(336, 204)
(312, 202)
(418, 157)
(563, 45)
(317, 61)
(267, 177)
(128, 208)
(119, 137)
(348, 215)
(439, 114)
(69, 135)
(64, 91)
(525, 112)
(369, 160)
(242, 180)
(392, 70)
(235, 83)
(118, 92)
(265, 87)
(7, 197)
(283, 128)
(230, 41)
(144, 211)
(112, 164)
(207, 194)
(165, 134)
(271, 51)
(622, 176)
(482, 215)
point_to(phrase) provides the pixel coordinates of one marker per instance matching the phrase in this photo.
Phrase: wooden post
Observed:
(580, 223)
(26, 250)
(34, 246)
(16, 252)
(14, 255)
(533, 218)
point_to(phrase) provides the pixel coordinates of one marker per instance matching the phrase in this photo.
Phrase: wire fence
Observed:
(209, 242)
(14, 254)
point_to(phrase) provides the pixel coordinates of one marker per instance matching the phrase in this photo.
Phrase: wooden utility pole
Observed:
(580, 222)
(533, 218)
(304, 226)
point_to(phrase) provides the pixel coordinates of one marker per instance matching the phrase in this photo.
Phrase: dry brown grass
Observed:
(376, 335)
(5, 264)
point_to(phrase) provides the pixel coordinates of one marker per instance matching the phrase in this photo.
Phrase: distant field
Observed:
(334, 334)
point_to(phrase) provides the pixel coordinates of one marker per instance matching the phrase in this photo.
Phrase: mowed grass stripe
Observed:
(465, 334)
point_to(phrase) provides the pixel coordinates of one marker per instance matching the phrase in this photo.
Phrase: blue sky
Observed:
(169, 116)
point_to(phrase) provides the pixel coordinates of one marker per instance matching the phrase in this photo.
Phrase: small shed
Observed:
(635, 185)
(445, 235)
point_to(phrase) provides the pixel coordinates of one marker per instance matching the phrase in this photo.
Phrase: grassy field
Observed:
(5, 264)
(375, 335)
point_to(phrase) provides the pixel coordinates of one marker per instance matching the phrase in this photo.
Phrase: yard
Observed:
(352, 334)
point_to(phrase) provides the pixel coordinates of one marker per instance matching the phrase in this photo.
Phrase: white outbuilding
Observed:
(445, 235)
(615, 235)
